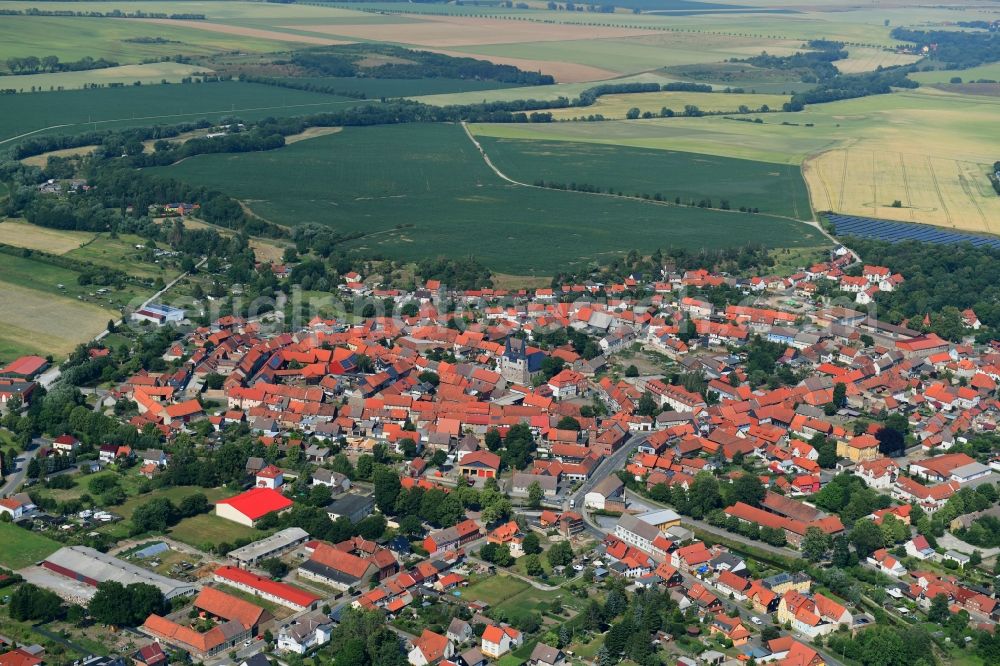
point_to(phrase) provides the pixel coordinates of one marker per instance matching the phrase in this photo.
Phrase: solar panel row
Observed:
(894, 232)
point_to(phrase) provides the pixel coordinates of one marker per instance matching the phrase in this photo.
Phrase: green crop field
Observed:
(777, 189)
(415, 190)
(22, 548)
(765, 142)
(990, 72)
(74, 111)
(72, 38)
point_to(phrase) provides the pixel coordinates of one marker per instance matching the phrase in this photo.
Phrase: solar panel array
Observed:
(894, 232)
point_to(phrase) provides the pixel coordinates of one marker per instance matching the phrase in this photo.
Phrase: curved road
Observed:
(14, 479)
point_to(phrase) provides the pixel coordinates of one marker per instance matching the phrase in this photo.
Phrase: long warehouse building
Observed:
(92, 567)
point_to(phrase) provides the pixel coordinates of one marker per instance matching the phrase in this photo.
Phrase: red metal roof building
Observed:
(249, 507)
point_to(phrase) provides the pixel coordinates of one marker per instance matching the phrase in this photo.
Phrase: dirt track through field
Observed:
(246, 32)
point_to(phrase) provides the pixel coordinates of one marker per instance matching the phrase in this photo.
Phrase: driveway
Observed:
(14, 479)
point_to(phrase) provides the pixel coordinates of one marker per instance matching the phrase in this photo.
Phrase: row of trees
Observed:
(51, 63)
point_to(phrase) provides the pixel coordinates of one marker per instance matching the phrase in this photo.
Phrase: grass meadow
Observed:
(414, 190)
(775, 189)
(22, 548)
(39, 316)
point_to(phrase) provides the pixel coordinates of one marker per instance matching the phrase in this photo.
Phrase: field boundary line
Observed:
(500, 174)
(21, 136)
(937, 188)
(967, 188)
(175, 115)
(906, 184)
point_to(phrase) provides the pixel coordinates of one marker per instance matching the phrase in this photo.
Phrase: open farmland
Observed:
(39, 316)
(926, 148)
(931, 152)
(862, 59)
(45, 324)
(75, 111)
(72, 38)
(414, 190)
(616, 106)
(766, 142)
(551, 92)
(989, 72)
(171, 72)
(776, 189)
(18, 233)
(452, 31)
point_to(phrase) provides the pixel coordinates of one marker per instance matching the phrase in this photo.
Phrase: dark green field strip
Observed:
(777, 189)
(423, 190)
(73, 111)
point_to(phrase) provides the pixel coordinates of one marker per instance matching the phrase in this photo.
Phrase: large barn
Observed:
(90, 567)
(249, 507)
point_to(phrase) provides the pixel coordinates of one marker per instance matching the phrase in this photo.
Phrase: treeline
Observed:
(51, 63)
(37, 145)
(458, 273)
(849, 86)
(704, 202)
(955, 49)
(813, 65)
(115, 13)
(941, 280)
(348, 61)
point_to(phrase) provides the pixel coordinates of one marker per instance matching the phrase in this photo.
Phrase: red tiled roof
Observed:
(275, 588)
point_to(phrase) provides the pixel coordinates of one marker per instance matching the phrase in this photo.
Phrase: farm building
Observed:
(159, 314)
(26, 367)
(92, 567)
(273, 546)
(265, 588)
(236, 621)
(249, 507)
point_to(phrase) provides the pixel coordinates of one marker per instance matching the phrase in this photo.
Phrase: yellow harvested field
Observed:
(932, 190)
(451, 31)
(616, 106)
(867, 59)
(247, 32)
(43, 159)
(53, 324)
(267, 252)
(311, 133)
(18, 233)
